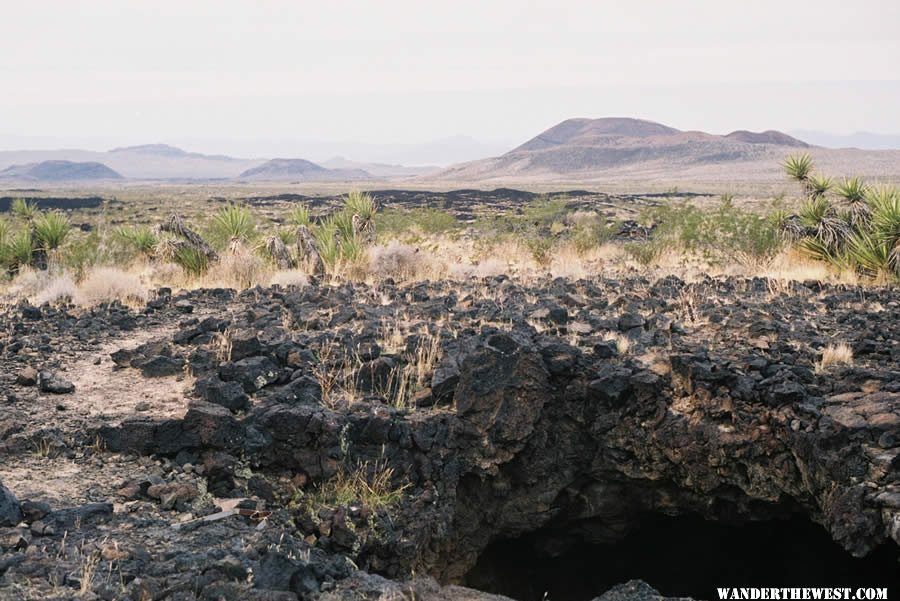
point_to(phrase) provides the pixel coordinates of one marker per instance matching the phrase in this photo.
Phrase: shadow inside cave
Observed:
(679, 556)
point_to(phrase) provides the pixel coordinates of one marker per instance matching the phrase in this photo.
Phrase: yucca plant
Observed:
(799, 167)
(343, 222)
(299, 215)
(140, 239)
(820, 219)
(232, 224)
(20, 249)
(327, 241)
(819, 185)
(872, 255)
(287, 236)
(361, 209)
(885, 222)
(853, 191)
(789, 225)
(24, 209)
(360, 203)
(51, 229)
(191, 259)
(352, 250)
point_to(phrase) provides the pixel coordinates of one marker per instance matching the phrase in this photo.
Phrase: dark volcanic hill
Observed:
(60, 171)
(586, 149)
(300, 170)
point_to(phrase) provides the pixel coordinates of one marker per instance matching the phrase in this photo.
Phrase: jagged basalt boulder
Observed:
(252, 373)
(227, 394)
(10, 511)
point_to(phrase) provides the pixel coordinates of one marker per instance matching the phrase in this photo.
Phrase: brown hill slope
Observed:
(597, 149)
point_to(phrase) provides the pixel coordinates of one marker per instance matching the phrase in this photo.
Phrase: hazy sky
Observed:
(234, 76)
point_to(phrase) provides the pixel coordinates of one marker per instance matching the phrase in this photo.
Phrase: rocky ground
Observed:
(376, 442)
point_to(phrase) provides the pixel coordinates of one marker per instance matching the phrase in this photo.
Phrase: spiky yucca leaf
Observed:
(299, 215)
(24, 209)
(819, 185)
(51, 229)
(820, 218)
(789, 225)
(814, 211)
(352, 250)
(286, 235)
(326, 235)
(141, 239)
(234, 223)
(885, 222)
(852, 189)
(360, 203)
(885, 206)
(799, 167)
(191, 259)
(20, 248)
(871, 254)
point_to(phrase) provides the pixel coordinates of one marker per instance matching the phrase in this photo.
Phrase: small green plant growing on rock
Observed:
(373, 485)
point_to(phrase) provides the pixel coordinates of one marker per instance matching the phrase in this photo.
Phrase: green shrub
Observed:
(393, 223)
(724, 235)
(544, 210)
(592, 233)
(644, 253)
(541, 249)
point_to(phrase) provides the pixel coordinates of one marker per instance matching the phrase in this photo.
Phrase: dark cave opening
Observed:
(679, 556)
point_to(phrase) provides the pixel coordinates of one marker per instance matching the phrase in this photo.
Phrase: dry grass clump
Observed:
(104, 284)
(238, 268)
(59, 288)
(372, 487)
(289, 277)
(99, 285)
(396, 260)
(623, 344)
(835, 355)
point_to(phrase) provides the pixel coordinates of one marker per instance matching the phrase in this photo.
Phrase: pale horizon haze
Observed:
(271, 78)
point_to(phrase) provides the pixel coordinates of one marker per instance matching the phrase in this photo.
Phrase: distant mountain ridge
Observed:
(60, 171)
(300, 170)
(585, 149)
(164, 150)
